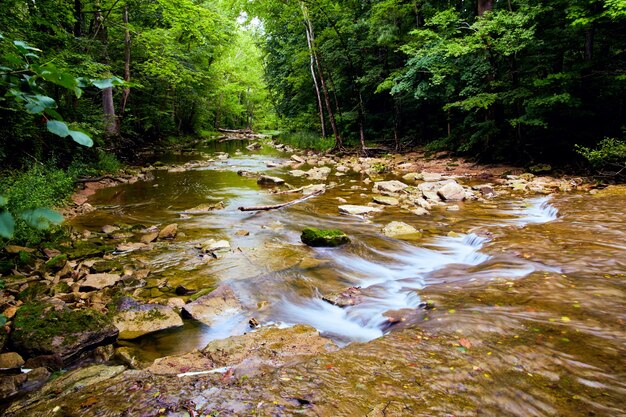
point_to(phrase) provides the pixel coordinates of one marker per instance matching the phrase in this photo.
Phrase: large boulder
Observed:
(44, 328)
(323, 238)
(452, 191)
(219, 304)
(134, 319)
(400, 230)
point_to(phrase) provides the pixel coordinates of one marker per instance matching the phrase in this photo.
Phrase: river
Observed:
(528, 292)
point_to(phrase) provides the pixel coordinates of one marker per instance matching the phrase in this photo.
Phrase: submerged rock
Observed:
(386, 201)
(46, 328)
(400, 230)
(358, 210)
(206, 207)
(219, 304)
(134, 319)
(323, 238)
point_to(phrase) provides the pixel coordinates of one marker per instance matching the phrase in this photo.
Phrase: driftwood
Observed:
(278, 206)
(240, 131)
(97, 179)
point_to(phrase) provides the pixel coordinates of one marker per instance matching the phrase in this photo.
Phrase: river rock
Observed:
(108, 229)
(393, 186)
(324, 238)
(169, 231)
(313, 189)
(318, 174)
(206, 207)
(431, 176)
(400, 230)
(45, 328)
(219, 304)
(99, 281)
(297, 173)
(386, 201)
(358, 210)
(348, 297)
(412, 177)
(213, 245)
(11, 385)
(11, 360)
(420, 211)
(267, 180)
(149, 237)
(452, 191)
(298, 159)
(134, 319)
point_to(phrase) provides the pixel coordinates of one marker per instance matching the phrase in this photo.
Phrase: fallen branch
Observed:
(241, 131)
(97, 179)
(278, 206)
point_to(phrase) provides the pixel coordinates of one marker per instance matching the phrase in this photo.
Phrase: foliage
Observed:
(306, 140)
(25, 196)
(610, 152)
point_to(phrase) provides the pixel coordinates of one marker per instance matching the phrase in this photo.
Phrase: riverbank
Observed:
(112, 274)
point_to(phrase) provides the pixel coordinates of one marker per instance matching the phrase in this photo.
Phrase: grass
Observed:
(307, 140)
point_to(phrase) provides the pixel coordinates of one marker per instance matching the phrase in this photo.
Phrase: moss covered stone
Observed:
(56, 262)
(324, 238)
(84, 249)
(44, 328)
(106, 266)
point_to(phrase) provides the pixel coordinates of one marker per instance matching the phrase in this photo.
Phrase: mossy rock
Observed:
(106, 266)
(56, 262)
(34, 291)
(324, 238)
(24, 258)
(200, 293)
(84, 249)
(44, 328)
(61, 288)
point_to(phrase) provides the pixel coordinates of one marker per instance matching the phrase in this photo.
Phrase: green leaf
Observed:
(3, 320)
(3, 201)
(24, 47)
(107, 83)
(7, 224)
(38, 103)
(41, 218)
(58, 128)
(52, 74)
(81, 138)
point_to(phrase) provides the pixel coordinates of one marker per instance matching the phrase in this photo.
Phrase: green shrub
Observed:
(30, 191)
(610, 152)
(307, 140)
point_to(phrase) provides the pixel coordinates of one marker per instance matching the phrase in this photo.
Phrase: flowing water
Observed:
(528, 292)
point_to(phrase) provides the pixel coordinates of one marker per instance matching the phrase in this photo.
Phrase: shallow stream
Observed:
(529, 291)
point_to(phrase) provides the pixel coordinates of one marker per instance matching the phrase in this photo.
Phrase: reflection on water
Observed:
(537, 284)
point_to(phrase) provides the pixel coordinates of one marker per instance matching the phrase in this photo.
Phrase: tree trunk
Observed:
(110, 125)
(589, 36)
(484, 6)
(78, 15)
(126, 91)
(329, 109)
(315, 83)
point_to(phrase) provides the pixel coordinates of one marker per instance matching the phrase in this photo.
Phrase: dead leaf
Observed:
(465, 343)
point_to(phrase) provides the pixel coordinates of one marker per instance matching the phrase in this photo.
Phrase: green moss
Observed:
(34, 291)
(37, 326)
(324, 238)
(105, 266)
(57, 262)
(200, 293)
(84, 249)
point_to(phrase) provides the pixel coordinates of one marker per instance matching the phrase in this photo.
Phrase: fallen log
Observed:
(241, 131)
(97, 179)
(278, 206)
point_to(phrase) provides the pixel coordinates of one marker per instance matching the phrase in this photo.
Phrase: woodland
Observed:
(519, 81)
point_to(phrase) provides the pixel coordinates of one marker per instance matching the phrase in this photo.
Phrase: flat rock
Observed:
(206, 207)
(401, 230)
(318, 174)
(393, 186)
(267, 180)
(149, 237)
(297, 173)
(358, 210)
(452, 191)
(52, 328)
(11, 360)
(386, 201)
(348, 297)
(213, 245)
(412, 177)
(99, 281)
(132, 246)
(431, 176)
(219, 304)
(298, 159)
(169, 231)
(134, 319)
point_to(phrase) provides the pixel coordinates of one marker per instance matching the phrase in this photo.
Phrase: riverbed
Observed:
(511, 306)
